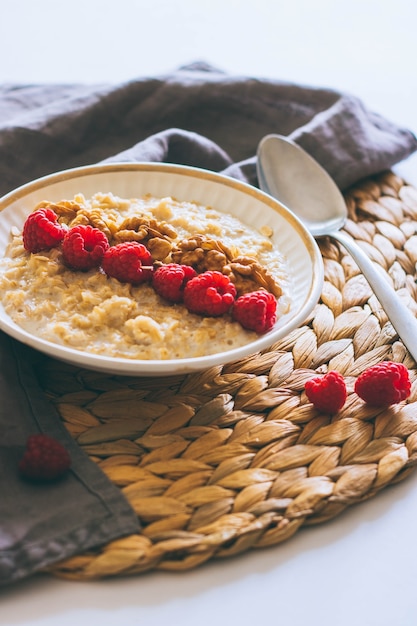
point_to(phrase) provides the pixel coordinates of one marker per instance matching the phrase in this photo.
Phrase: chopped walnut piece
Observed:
(80, 218)
(204, 253)
(91, 218)
(97, 221)
(150, 225)
(248, 275)
(201, 260)
(159, 248)
(66, 210)
(207, 244)
(147, 230)
(130, 235)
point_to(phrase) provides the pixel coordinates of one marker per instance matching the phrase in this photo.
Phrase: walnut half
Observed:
(249, 275)
(157, 236)
(204, 253)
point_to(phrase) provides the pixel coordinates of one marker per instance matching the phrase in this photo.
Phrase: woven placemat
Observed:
(236, 457)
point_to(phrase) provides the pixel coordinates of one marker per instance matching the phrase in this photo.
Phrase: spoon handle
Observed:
(399, 315)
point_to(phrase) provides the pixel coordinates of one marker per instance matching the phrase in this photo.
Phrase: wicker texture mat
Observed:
(236, 458)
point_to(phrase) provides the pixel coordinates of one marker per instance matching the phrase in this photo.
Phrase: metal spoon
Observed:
(291, 175)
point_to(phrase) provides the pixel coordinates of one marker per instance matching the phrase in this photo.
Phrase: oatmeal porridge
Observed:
(96, 313)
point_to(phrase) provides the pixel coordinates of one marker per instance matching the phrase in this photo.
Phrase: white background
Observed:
(361, 568)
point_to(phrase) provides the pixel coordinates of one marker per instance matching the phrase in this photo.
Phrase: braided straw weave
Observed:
(236, 457)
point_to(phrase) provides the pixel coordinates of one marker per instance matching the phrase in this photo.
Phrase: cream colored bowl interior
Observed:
(130, 180)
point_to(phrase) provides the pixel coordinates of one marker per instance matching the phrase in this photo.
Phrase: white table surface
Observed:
(360, 568)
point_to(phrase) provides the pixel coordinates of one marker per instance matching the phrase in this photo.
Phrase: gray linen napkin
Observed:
(197, 116)
(194, 116)
(44, 523)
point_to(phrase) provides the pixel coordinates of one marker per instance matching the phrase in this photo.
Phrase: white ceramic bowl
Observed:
(251, 206)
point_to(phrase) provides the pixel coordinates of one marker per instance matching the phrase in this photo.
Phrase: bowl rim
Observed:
(153, 367)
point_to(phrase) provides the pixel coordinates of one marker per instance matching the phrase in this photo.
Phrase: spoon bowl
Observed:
(288, 173)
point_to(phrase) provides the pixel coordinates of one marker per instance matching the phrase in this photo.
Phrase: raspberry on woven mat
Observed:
(41, 231)
(83, 247)
(384, 384)
(129, 262)
(327, 393)
(210, 293)
(169, 281)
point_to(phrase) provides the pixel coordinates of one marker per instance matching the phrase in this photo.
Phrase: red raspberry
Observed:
(384, 384)
(44, 459)
(41, 231)
(169, 280)
(328, 392)
(210, 293)
(124, 261)
(83, 247)
(256, 310)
